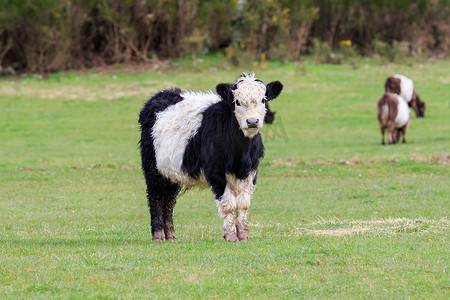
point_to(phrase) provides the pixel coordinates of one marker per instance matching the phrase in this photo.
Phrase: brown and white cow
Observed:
(393, 115)
(403, 86)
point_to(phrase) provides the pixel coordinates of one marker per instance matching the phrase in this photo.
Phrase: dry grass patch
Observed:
(289, 162)
(438, 160)
(391, 226)
(83, 92)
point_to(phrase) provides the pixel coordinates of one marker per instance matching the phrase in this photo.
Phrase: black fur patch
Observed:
(220, 147)
(224, 90)
(270, 115)
(157, 103)
(273, 89)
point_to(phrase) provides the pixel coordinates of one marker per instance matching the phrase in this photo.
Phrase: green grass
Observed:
(335, 214)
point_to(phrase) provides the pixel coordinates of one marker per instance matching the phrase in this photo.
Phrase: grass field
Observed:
(335, 214)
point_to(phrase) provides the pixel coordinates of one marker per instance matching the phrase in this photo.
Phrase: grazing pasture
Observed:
(335, 214)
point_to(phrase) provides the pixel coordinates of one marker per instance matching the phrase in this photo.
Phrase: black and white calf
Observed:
(204, 139)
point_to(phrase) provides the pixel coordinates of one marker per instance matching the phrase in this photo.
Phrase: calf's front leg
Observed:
(226, 206)
(242, 225)
(225, 201)
(235, 198)
(243, 198)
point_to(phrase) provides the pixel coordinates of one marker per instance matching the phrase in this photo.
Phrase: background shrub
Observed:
(43, 36)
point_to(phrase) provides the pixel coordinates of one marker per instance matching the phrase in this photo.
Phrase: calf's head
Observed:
(248, 97)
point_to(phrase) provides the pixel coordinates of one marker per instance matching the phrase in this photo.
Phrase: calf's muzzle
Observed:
(252, 123)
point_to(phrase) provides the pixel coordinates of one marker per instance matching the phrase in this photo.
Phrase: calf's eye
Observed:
(237, 102)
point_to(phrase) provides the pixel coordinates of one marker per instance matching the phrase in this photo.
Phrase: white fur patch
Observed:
(173, 129)
(406, 87)
(403, 113)
(384, 113)
(250, 94)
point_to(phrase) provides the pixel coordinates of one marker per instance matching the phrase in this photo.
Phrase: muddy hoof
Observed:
(169, 231)
(242, 230)
(170, 236)
(243, 236)
(231, 237)
(159, 235)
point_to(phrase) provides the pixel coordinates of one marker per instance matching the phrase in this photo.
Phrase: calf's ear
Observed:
(224, 91)
(273, 89)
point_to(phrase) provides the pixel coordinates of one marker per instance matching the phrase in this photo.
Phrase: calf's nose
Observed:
(252, 123)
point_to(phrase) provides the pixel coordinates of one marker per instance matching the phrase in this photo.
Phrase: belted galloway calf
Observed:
(208, 140)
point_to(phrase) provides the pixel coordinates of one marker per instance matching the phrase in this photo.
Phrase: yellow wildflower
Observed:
(346, 43)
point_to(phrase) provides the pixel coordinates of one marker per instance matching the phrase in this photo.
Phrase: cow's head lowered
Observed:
(248, 96)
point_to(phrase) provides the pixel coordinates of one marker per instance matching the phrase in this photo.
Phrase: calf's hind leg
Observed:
(168, 205)
(161, 194)
(391, 132)
(404, 128)
(382, 129)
